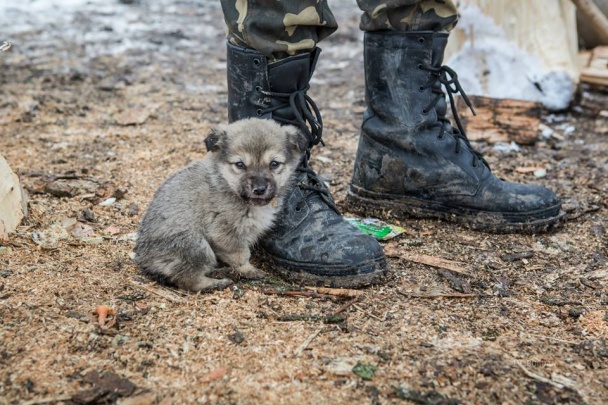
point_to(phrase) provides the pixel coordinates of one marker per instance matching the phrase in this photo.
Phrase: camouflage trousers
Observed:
(279, 28)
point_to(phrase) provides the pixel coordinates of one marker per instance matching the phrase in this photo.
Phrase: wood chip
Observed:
(337, 291)
(305, 344)
(214, 375)
(439, 262)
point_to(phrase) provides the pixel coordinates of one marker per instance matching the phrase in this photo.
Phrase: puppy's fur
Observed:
(210, 213)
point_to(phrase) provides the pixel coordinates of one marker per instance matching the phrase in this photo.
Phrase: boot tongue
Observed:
(440, 41)
(290, 74)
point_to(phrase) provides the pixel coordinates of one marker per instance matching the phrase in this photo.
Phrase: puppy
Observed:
(207, 216)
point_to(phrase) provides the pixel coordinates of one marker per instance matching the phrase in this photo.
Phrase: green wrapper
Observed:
(375, 227)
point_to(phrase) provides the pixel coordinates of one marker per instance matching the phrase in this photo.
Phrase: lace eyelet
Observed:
(456, 152)
(256, 62)
(440, 136)
(420, 89)
(258, 89)
(260, 113)
(424, 111)
(421, 40)
(298, 208)
(419, 66)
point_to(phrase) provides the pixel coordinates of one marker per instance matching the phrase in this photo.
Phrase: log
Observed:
(587, 35)
(501, 120)
(518, 49)
(13, 200)
(594, 14)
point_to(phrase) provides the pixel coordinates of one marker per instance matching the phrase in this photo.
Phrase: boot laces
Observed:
(307, 117)
(449, 79)
(305, 111)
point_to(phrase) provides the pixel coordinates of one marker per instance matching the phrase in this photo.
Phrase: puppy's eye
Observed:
(240, 165)
(274, 164)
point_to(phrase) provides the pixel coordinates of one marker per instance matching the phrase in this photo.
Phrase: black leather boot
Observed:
(410, 159)
(311, 242)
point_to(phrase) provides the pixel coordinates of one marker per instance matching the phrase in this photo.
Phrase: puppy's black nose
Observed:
(259, 186)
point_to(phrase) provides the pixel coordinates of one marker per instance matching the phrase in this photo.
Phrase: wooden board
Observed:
(501, 120)
(594, 66)
(13, 200)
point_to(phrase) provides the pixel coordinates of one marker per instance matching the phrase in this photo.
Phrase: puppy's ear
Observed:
(296, 139)
(215, 140)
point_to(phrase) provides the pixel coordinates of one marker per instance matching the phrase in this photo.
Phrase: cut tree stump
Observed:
(501, 120)
(13, 200)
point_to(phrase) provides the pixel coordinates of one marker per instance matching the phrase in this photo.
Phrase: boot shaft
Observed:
(400, 88)
(259, 89)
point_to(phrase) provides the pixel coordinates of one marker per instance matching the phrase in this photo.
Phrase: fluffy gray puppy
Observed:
(208, 215)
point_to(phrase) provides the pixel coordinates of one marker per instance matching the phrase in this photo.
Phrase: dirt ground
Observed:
(101, 101)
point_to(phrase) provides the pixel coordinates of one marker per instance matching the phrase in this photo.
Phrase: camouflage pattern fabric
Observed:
(281, 28)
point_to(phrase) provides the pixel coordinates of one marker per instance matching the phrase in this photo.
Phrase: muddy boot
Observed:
(410, 159)
(311, 242)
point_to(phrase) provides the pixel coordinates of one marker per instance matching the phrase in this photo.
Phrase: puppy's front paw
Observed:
(251, 272)
(204, 284)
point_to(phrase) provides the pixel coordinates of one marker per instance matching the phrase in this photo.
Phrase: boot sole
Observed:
(316, 275)
(387, 206)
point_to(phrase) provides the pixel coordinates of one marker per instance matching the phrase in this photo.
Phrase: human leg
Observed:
(272, 55)
(410, 159)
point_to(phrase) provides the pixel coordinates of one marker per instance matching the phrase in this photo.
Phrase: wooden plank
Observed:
(13, 201)
(594, 66)
(501, 120)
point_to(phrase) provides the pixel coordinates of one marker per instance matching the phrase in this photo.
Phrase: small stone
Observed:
(5, 250)
(237, 337)
(108, 202)
(576, 312)
(120, 340)
(132, 209)
(540, 173)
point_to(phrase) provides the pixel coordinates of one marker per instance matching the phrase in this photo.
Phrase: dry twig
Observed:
(47, 400)
(439, 262)
(538, 377)
(163, 292)
(296, 293)
(346, 305)
(342, 292)
(305, 344)
(436, 295)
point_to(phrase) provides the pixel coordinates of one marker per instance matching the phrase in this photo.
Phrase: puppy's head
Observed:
(256, 157)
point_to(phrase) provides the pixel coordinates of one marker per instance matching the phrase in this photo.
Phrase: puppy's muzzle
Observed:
(258, 190)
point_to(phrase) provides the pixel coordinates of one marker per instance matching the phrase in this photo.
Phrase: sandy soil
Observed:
(105, 100)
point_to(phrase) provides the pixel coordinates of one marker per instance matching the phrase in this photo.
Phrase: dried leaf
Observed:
(365, 371)
(214, 375)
